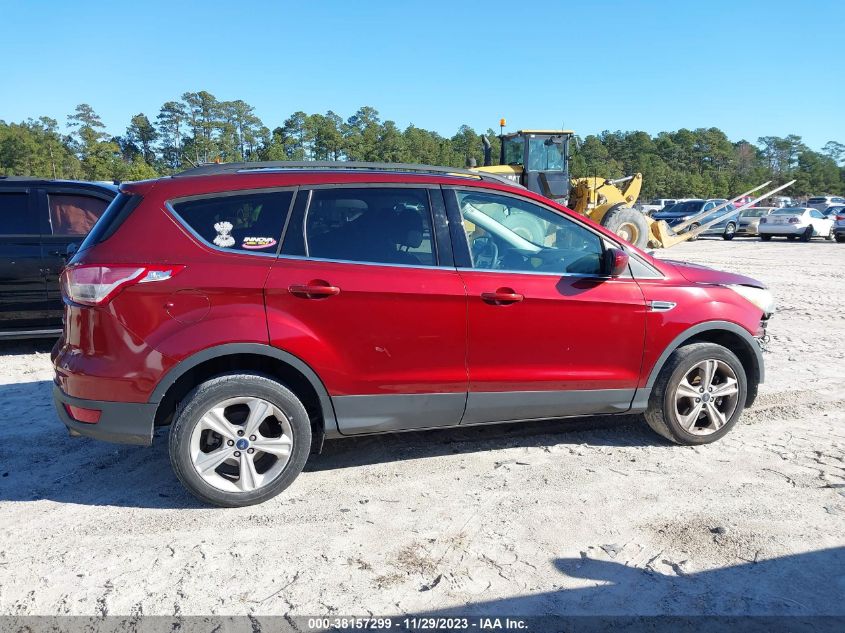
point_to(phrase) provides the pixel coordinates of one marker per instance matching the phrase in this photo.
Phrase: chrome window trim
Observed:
(327, 260)
(496, 271)
(426, 187)
(168, 204)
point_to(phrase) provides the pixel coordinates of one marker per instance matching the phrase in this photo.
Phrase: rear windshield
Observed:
(755, 213)
(817, 200)
(112, 218)
(788, 211)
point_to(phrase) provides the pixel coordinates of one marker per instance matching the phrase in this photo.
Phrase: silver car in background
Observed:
(749, 220)
(795, 222)
(823, 202)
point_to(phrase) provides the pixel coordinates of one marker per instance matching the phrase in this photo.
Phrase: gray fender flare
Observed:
(176, 372)
(640, 402)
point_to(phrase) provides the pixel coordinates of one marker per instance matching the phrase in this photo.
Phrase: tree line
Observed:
(198, 128)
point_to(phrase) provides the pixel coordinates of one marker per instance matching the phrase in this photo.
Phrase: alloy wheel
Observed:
(241, 444)
(706, 397)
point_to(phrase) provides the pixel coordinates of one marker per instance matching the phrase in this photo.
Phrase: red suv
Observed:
(257, 309)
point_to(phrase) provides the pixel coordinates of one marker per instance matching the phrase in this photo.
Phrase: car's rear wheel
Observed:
(699, 394)
(807, 235)
(766, 238)
(239, 439)
(730, 231)
(840, 238)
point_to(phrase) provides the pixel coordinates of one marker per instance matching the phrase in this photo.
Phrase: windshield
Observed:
(544, 155)
(788, 211)
(689, 207)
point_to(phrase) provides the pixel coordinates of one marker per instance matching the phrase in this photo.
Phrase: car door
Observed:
(365, 292)
(22, 286)
(548, 335)
(66, 216)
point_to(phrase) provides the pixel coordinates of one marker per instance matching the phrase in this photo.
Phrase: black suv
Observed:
(39, 220)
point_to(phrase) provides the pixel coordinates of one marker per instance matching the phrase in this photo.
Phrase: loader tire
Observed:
(629, 224)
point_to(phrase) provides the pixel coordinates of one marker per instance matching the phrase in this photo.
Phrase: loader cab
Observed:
(543, 158)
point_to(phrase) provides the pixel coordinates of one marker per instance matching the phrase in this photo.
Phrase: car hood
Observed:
(705, 275)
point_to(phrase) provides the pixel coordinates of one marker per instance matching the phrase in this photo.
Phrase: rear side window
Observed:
(15, 216)
(72, 214)
(373, 225)
(250, 222)
(115, 215)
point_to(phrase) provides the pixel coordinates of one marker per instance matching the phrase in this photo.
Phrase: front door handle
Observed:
(315, 289)
(502, 297)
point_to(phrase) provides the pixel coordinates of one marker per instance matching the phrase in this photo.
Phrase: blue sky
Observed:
(750, 68)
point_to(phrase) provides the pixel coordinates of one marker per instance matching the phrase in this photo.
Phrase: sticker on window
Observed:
(223, 239)
(256, 243)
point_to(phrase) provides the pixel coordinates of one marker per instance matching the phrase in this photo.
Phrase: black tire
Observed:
(661, 413)
(807, 235)
(766, 238)
(213, 391)
(840, 238)
(792, 238)
(692, 227)
(730, 231)
(629, 224)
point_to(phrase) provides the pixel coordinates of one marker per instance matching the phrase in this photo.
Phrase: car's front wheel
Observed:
(730, 231)
(239, 439)
(698, 395)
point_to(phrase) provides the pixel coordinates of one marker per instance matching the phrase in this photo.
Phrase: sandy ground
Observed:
(573, 517)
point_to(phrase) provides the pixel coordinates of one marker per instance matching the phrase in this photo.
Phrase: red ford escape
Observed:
(257, 309)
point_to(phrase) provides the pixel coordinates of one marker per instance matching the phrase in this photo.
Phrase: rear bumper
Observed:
(781, 230)
(120, 422)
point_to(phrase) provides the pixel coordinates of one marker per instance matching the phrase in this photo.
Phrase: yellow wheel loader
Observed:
(539, 160)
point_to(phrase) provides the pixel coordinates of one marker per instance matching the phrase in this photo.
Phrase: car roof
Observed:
(256, 175)
(30, 180)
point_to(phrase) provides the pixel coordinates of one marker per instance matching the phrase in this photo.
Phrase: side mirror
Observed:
(615, 262)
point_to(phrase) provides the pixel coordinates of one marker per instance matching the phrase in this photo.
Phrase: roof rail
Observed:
(280, 165)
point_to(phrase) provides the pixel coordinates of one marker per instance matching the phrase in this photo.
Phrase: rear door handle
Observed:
(502, 296)
(316, 289)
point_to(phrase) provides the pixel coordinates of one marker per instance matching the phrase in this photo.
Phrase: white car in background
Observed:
(749, 220)
(795, 222)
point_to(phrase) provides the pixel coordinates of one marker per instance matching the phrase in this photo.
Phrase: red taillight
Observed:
(97, 285)
(839, 218)
(88, 416)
